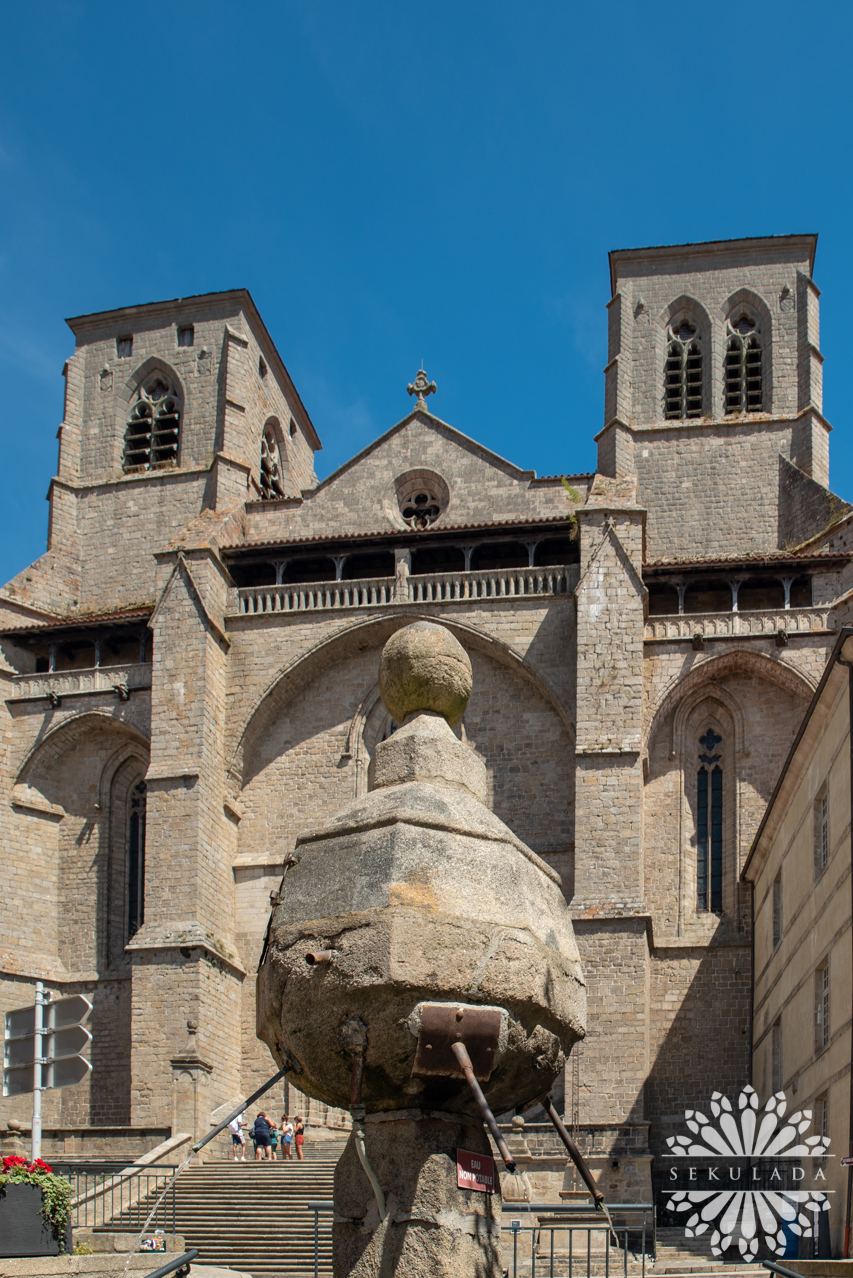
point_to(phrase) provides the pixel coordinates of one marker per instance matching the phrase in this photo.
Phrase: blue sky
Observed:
(397, 183)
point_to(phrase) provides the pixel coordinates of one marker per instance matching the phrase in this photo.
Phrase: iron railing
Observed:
(118, 1196)
(574, 1242)
(573, 1246)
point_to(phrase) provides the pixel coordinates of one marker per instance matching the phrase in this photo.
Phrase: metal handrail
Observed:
(780, 1269)
(182, 1264)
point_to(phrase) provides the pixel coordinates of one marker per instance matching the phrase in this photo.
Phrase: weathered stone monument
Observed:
(419, 947)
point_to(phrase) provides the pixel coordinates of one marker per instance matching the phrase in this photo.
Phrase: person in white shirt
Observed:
(238, 1142)
(286, 1138)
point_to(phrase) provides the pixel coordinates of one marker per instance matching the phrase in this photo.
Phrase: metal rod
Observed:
(320, 956)
(316, 1243)
(175, 1264)
(38, 1054)
(575, 1154)
(460, 1051)
(240, 1109)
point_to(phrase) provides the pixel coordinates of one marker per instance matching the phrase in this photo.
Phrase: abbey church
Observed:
(190, 675)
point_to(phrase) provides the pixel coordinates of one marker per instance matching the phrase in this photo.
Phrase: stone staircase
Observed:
(676, 1254)
(254, 1217)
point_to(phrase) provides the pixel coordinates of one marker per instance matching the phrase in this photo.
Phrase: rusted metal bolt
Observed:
(320, 956)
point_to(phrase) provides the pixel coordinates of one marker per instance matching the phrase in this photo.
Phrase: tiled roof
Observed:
(757, 557)
(389, 532)
(81, 620)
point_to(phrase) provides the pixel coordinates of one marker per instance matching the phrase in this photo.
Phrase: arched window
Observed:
(709, 824)
(683, 372)
(154, 426)
(271, 469)
(136, 860)
(743, 388)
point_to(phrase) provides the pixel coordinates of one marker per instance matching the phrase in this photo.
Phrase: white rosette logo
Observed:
(743, 1214)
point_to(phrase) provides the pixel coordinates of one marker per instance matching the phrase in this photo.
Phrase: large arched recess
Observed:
(304, 748)
(357, 638)
(755, 704)
(70, 773)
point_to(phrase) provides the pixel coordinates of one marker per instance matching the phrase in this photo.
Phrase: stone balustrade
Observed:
(373, 592)
(68, 683)
(729, 625)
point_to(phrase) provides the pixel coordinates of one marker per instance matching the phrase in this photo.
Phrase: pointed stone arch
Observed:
(711, 669)
(371, 632)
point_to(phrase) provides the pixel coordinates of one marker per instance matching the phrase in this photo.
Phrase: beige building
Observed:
(190, 675)
(800, 871)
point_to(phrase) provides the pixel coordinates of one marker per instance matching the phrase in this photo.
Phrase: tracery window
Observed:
(271, 485)
(136, 860)
(153, 429)
(709, 824)
(743, 388)
(683, 372)
(421, 509)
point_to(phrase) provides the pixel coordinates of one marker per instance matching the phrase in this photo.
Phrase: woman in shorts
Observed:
(299, 1136)
(286, 1139)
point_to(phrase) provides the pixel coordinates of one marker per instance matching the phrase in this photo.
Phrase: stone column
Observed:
(608, 910)
(190, 1091)
(432, 1228)
(185, 961)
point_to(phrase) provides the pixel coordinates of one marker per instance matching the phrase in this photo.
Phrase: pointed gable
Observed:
(467, 483)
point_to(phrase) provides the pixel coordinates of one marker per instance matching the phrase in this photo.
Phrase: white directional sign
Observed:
(62, 1039)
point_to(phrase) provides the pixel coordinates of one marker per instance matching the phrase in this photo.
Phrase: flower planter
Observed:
(23, 1229)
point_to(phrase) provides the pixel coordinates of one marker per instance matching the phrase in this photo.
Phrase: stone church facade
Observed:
(190, 675)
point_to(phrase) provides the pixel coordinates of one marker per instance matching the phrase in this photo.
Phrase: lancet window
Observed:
(743, 373)
(153, 430)
(136, 860)
(271, 485)
(709, 823)
(683, 372)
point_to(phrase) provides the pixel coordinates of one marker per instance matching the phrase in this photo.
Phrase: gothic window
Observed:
(422, 496)
(683, 372)
(136, 860)
(709, 824)
(821, 1007)
(821, 831)
(271, 486)
(776, 1057)
(153, 429)
(743, 366)
(777, 910)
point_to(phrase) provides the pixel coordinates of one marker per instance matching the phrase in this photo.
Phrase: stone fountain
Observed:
(419, 954)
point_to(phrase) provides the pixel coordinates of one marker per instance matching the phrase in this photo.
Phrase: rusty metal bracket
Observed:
(445, 1024)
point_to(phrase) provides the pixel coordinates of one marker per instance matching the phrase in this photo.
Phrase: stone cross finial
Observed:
(421, 387)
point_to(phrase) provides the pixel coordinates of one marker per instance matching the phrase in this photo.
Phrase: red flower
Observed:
(42, 1166)
(13, 1160)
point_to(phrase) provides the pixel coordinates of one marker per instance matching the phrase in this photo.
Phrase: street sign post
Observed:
(42, 1049)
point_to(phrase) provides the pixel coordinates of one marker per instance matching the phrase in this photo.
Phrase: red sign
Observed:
(475, 1171)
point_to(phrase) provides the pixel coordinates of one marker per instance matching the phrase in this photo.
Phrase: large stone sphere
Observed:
(424, 668)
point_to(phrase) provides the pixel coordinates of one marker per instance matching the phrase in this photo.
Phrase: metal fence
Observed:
(118, 1196)
(553, 1240)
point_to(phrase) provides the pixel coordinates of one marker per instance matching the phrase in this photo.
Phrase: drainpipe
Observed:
(850, 1128)
(751, 1030)
(846, 658)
